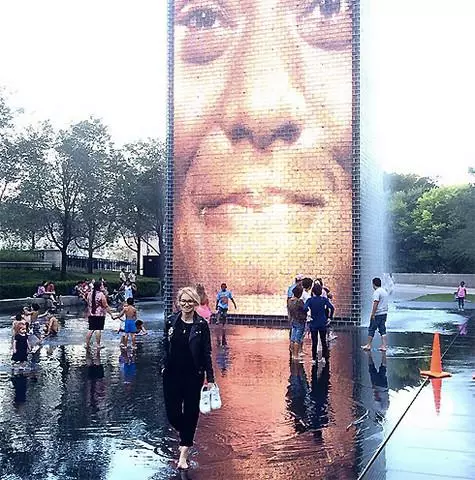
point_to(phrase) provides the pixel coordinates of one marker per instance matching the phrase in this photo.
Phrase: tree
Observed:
(14, 148)
(458, 249)
(53, 187)
(22, 222)
(141, 196)
(405, 242)
(437, 216)
(98, 176)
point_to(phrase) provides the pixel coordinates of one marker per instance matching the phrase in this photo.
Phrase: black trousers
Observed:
(182, 403)
(323, 337)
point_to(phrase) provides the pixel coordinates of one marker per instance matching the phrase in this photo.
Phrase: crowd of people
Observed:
(187, 346)
(127, 288)
(30, 327)
(309, 309)
(97, 309)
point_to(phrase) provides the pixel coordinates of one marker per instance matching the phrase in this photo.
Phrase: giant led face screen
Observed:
(262, 148)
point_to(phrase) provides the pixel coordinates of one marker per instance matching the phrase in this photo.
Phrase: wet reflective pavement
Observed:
(76, 416)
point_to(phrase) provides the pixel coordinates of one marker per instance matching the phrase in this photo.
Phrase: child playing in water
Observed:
(130, 313)
(17, 319)
(52, 326)
(20, 345)
(140, 328)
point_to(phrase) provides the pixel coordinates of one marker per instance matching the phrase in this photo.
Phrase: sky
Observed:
(68, 59)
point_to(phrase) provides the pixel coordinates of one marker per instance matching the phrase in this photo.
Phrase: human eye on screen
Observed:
(205, 26)
(326, 24)
(202, 19)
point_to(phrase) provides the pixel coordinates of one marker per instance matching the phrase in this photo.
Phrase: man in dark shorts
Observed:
(222, 303)
(378, 317)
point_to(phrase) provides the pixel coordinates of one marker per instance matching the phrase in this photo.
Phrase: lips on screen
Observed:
(262, 148)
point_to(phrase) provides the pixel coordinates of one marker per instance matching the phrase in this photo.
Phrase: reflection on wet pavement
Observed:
(77, 416)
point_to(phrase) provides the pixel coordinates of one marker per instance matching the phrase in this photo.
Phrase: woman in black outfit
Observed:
(187, 349)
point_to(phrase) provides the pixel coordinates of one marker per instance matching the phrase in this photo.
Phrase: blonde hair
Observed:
(17, 326)
(191, 292)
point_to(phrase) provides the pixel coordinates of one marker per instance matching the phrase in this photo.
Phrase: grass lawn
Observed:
(441, 297)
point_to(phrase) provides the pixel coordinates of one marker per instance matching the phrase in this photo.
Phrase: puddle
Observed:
(76, 416)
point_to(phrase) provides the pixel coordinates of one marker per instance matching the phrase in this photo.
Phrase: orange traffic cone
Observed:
(435, 361)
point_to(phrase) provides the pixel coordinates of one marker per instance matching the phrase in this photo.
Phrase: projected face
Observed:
(262, 107)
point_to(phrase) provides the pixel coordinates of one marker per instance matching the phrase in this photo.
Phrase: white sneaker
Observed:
(205, 400)
(215, 398)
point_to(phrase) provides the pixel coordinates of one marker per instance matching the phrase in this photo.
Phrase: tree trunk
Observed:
(33, 241)
(64, 261)
(90, 253)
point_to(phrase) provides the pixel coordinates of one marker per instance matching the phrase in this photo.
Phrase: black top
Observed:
(21, 343)
(21, 354)
(199, 344)
(181, 360)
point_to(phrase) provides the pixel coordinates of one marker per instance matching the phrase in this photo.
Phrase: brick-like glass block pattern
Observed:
(264, 175)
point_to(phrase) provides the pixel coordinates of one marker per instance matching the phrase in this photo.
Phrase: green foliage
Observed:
(19, 283)
(405, 243)
(28, 288)
(431, 226)
(140, 198)
(436, 218)
(17, 256)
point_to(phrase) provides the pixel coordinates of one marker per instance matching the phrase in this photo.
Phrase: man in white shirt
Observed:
(132, 277)
(378, 317)
(122, 276)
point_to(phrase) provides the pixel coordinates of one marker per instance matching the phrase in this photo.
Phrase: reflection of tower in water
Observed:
(269, 413)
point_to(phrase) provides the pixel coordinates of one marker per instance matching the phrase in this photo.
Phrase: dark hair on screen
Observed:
(307, 283)
(130, 301)
(97, 288)
(377, 282)
(317, 290)
(297, 291)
